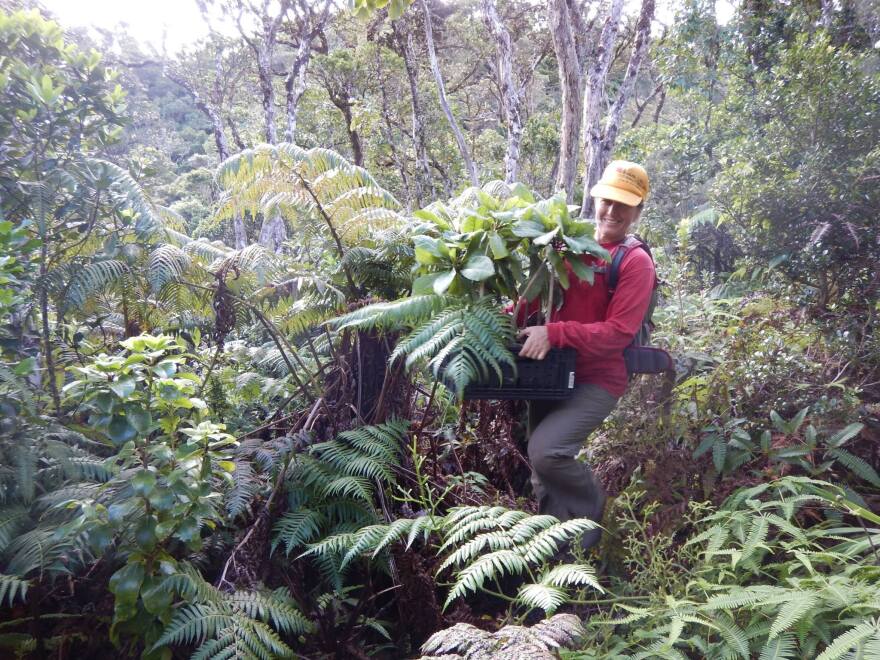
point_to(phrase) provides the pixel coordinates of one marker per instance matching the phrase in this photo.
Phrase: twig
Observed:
(210, 369)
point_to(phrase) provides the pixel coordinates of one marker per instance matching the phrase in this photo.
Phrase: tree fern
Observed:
(396, 315)
(316, 183)
(166, 264)
(91, 279)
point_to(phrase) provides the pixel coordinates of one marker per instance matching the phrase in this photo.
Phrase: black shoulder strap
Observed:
(628, 244)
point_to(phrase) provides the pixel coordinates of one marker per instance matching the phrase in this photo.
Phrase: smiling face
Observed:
(613, 220)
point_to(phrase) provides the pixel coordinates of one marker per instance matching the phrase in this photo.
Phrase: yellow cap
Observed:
(624, 182)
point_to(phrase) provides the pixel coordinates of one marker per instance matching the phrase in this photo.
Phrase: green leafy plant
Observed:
(482, 545)
(470, 255)
(767, 583)
(168, 470)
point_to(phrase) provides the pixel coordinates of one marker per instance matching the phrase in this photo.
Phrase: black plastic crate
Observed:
(547, 379)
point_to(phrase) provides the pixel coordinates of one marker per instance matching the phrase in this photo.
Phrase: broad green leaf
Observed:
(478, 268)
(581, 270)
(544, 239)
(427, 249)
(443, 282)
(586, 245)
(528, 229)
(120, 431)
(140, 419)
(124, 387)
(156, 595)
(125, 583)
(143, 483)
(145, 534)
(497, 245)
(559, 268)
(188, 530)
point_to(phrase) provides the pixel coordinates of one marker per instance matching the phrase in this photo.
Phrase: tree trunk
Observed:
(441, 89)
(295, 84)
(510, 98)
(595, 101)
(273, 233)
(423, 180)
(827, 13)
(570, 78)
(264, 70)
(341, 101)
(389, 131)
(599, 158)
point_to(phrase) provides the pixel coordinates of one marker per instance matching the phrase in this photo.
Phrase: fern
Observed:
(12, 587)
(463, 342)
(90, 279)
(167, 263)
(396, 315)
(240, 624)
(851, 638)
(316, 184)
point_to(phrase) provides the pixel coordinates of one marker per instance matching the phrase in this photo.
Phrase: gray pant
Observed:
(565, 487)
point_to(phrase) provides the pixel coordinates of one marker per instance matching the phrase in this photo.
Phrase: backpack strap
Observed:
(628, 244)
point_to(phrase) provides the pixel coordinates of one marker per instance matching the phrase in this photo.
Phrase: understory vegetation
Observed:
(231, 412)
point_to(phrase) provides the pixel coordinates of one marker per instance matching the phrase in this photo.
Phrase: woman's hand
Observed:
(537, 343)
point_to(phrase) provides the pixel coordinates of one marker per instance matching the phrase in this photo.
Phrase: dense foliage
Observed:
(231, 371)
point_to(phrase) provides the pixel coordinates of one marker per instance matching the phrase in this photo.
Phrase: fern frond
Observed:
(543, 596)
(841, 645)
(571, 575)
(166, 264)
(296, 528)
(12, 520)
(90, 279)
(12, 587)
(779, 648)
(391, 315)
(347, 486)
(194, 624)
(790, 613)
(276, 607)
(857, 466)
(491, 566)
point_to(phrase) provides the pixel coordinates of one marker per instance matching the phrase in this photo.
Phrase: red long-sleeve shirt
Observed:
(599, 325)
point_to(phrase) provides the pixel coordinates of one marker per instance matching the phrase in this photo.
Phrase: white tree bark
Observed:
(273, 233)
(564, 17)
(310, 24)
(599, 158)
(211, 105)
(827, 13)
(438, 78)
(295, 84)
(510, 96)
(594, 103)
